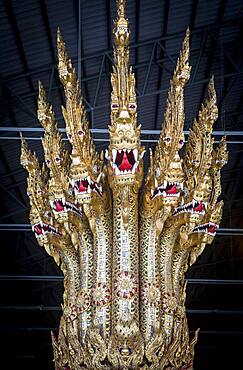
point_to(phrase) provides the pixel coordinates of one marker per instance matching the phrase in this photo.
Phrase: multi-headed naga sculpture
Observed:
(123, 261)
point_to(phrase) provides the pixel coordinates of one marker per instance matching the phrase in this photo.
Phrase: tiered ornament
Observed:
(124, 259)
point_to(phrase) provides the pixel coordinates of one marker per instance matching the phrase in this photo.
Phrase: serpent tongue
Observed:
(199, 208)
(172, 190)
(82, 187)
(125, 165)
(59, 207)
(212, 229)
(38, 230)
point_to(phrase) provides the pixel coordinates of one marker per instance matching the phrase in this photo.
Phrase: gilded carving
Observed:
(124, 248)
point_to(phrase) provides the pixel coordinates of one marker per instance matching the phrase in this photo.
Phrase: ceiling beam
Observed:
(16, 32)
(176, 35)
(162, 54)
(211, 55)
(90, 108)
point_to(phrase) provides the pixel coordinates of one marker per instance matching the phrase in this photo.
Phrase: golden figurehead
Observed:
(124, 246)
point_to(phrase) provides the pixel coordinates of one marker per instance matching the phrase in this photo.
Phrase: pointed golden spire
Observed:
(182, 71)
(123, 96)
(174, 114)
(54, 149)
(66, 71)
(25, 153)
(35, 180)
(123, 130)
(211, 90)
(67, 75)
(199, 148)
(74, 113)
(220, 158)
(28, 159)
(221, 153)
(172, 138)
(121, 8)
(209, 110)
(45, 112)
(121, 24)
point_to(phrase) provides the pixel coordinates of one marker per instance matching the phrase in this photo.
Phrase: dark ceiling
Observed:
(30, 283)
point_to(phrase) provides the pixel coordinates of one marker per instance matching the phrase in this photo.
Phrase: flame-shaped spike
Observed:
(220, 154)
(52, 140)
(174, 114)
(185, 46)
(121, 8)
(208, 113)
(62, 56)
(123, 96)
(182, 71)
(24, 146)
(211, 90)
(74, 112)
(45, 112)
(42, 102)
(174, 117)
(223, 152)
(220, 206)
(41, 89)
(199, 155)
(35, 179)
(212, 98)
(28, 159)
(66, 70)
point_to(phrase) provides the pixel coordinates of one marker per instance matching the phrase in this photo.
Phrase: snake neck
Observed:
(150, 277)
(179, 267)
(125, 252)
(167, 241)
(99, 218)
